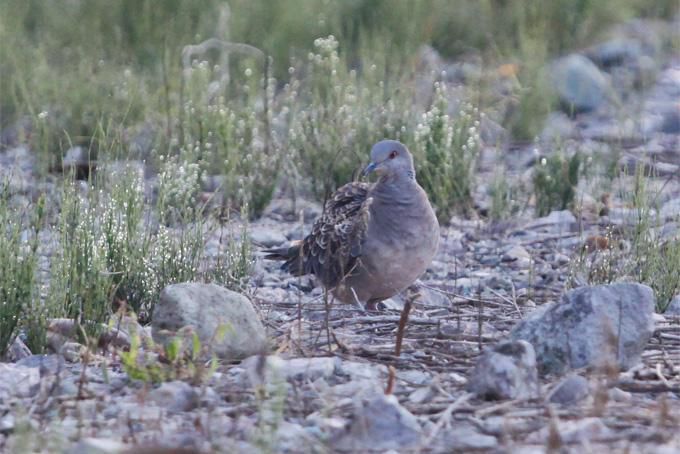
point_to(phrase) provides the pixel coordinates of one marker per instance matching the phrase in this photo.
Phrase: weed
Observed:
(505, 196)
(641, 254)
(340, 117)
(80, 286)
(446, 150)
(18, 264)
(233, 264)
(182, 358)
(555, 179)
(227, 138)
(271, 402)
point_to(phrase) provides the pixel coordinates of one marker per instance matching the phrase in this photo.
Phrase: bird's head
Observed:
(391, 158)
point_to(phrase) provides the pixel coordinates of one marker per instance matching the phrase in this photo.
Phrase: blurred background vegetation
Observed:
(69, 56)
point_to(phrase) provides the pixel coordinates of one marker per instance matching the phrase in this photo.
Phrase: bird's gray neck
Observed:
(397, 189)
(406, 177)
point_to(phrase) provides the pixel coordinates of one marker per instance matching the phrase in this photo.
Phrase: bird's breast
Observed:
(402, 240)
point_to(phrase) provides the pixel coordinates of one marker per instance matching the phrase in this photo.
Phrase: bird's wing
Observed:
(331, 250)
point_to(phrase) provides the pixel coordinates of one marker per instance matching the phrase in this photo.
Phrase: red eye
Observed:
(393, 154)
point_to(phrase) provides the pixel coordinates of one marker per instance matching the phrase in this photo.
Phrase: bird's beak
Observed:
(369, 168)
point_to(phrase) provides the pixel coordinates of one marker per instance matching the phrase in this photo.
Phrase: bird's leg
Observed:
(403, 318)
(356, 300)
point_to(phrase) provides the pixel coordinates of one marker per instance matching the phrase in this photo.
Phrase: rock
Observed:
(72, 351)
(141, 139)
(17, 350)
(77, 160)
(506, 371)
(266, 235)
(578, 431)
(464, 438)
(570, 390)
(17, 380)
(561, 259)
(46, 364)
(558, 126)
(580, 85)
(7, 424)
(133, 411)
(208, 308)
(493, 134)
(557, 220)
(630, 216)
(99, 446)
(585, 429)
(293, 438)
(590, 325)
(120, 331)
(518, 256)
(670, 123)
(673, 307)
(291, 210)
(670, 210)
(16, 133)
(298, 369)
(380, 423)
(615, 52)
(422, 395)
(176, 396)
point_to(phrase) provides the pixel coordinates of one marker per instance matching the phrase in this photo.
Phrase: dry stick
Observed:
(479, 318)
(390, 380)
(402, 326)
(327, 321)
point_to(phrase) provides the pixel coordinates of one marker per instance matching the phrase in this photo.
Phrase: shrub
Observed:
(230, 137)
(446, 151)
(18, 264)
(337, 115)
(555, 179)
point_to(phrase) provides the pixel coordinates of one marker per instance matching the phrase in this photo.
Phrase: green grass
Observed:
(446, 149)
(639, 253)
(113, 248)
(555, 180)
(18, 264)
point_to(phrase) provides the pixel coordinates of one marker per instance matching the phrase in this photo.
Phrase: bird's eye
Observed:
(393, 154)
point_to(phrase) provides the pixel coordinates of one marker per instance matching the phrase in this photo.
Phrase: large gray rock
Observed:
(17, 350)
(18, 381)
(572, 389)
(258, 369)
(380, 424)
(673, 307)
(506, 371)
(464, 437)
(617, 51)
(206, 308)
(591, 325)
(266, 235)
(175, 396)
(580, 85)
(670, 210)
(555, 221)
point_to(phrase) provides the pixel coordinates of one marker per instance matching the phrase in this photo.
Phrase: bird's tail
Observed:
(291, 255)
